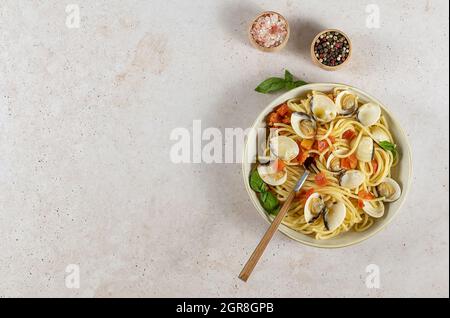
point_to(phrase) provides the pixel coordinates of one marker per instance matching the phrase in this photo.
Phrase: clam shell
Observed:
(323, 108)
(332, 158)
(365, 151)
(347, 103)
(335, 216)
(394, 190)
(311, 216)
(284, 148)
(298, 119)
(369, 114)
(272, 177)
(379, 134)
(351, 179)
(374, 209)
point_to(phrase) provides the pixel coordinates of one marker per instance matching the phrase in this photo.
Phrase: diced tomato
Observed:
(374, 165)
(286, 120)
(349, 163)
(302, 156)
(272, 119)
(322, 145)
(353, 161)
(364, 195)
(345, 164)
(332, 139)
(279, 165)
(283, 110)
(321, 179)
(300, 195)
(307, 144)
(309, 193)
(349, 135)
(304, 195)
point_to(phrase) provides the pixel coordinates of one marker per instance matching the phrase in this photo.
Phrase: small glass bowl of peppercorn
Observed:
(331, 49)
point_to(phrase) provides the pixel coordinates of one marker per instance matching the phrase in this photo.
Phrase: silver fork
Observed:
(310, 167)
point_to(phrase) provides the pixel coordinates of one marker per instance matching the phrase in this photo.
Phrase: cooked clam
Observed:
(374, 208)
(304, 125)
(284, 148)
(270, 174)
(369, 114)
(351, 179)
(347, 103)
(323, 108)
(314, 207)
(379, 134)
(334, 216)
(333, 162)
(390, 190)
(366, 149)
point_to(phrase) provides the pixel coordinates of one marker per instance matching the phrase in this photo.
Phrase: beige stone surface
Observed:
(85, 173)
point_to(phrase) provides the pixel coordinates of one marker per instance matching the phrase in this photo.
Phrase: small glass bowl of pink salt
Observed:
(269, 32)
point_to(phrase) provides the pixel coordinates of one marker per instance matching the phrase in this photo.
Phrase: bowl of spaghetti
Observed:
(361, 152)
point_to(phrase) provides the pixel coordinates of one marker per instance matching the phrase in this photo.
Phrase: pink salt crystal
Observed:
(269, 30)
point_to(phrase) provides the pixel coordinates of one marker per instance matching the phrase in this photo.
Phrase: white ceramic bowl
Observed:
(402, 173)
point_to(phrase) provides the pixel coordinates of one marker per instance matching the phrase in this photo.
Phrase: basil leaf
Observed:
(270, 85)
(386, 145)
(263, 187)
(269, 202)
(264, 196)
(300, 83)
(290, 85)
(288, 77)
(274, 84)
(276, 211)
(256, 183)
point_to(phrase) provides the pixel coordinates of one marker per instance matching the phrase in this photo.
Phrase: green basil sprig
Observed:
(386, 145)
(274, 84)
(269, 202)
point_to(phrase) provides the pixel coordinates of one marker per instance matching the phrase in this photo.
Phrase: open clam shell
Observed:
(323, 108)
(374, 209)
(389, 189)
(351, 179)
(379, 134)
(346, 103)
(335, 216)
(284, 148)
(304, 125)
(366, 149)
(369, 114)
(333, 162)
(314, 207)
(271, 176)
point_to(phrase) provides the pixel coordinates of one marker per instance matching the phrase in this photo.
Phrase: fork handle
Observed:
(259, 250)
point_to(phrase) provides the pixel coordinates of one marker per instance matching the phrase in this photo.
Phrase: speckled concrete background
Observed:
(85, 120)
